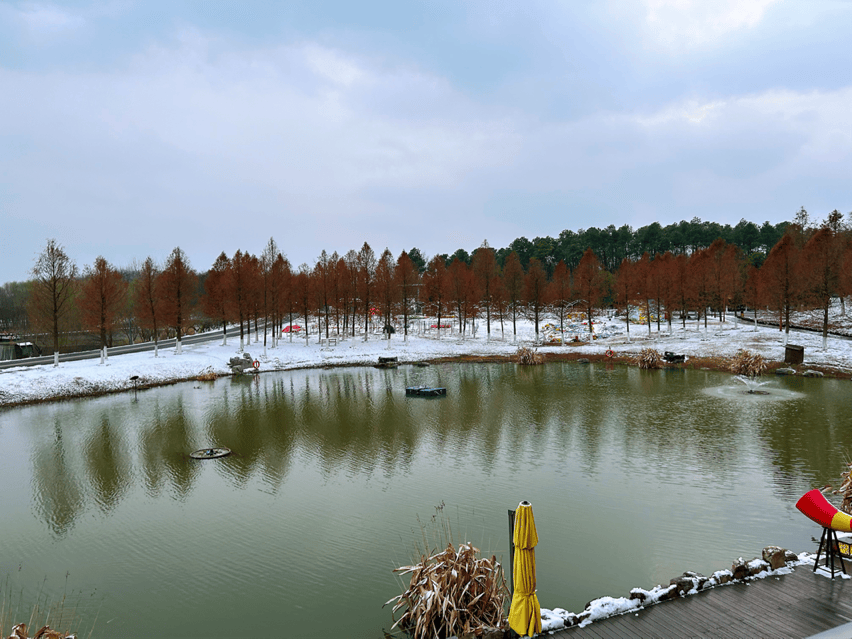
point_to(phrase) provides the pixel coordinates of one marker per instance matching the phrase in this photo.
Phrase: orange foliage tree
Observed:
(104, 292)
(589, 284)
(176, 287)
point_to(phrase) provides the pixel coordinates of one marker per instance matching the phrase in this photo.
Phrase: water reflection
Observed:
(58, 495)
(107, 463)
(358, 423)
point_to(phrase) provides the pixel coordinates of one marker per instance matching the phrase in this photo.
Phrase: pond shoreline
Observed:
(713, 363)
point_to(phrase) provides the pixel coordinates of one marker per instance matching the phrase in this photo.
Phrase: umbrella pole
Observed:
(511, 551)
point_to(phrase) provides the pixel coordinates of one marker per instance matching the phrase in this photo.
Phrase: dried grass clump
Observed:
(20, 632)
(748, 364)
(452, 593)
(649, 358)
(207, 375)
(846, 490)
(528, 357)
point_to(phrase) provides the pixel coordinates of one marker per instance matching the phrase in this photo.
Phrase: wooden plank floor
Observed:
(797, 605)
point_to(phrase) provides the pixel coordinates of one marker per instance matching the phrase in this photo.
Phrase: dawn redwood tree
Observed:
(407, 279)
(366, 262)
(781, 279)
(334, 288)
(644, 284)
(680, 285)
(278, 290)
(499, 300)
(753, 290)
(535, 291)
(255, 299)
(435, 287)
(145, 301)
(302, 285)
(240, 293)
(822, 258)
(214, 301)
(322, 277)
(513, 284)
(176, 286)
(54, 286)
(485, 268)
(345, 292)
(626, 288)
(462, 291)
(103, 294)
(351, 259)
(386, 290)
(560, 294)
(589, 284)
(700, 286)
(723, 268)
(664, 270)
(267, 260)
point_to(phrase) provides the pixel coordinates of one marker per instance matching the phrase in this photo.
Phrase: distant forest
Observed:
(669, 271)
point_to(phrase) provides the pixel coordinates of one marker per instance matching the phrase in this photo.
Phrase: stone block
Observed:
(775, 556)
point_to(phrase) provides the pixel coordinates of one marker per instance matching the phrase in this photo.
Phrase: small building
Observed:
(11, 348)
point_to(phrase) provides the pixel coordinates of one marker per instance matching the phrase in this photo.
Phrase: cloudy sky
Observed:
(128, 127)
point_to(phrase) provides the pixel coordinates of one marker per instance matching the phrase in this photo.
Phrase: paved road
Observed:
(118, 350)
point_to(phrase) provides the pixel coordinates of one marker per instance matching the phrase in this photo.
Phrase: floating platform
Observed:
(210, 453)
(425, 391)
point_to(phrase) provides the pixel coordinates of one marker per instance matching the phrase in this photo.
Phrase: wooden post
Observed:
(511, 551)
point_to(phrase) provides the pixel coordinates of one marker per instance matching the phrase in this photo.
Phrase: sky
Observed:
(130, 128)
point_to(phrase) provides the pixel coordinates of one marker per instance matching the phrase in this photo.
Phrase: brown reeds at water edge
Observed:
(452, 593)
(528, 357)
(20, 632)
(649, 358)
(748, 364)
(63, 613)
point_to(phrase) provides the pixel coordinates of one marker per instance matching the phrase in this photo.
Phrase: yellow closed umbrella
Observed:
(525, 612)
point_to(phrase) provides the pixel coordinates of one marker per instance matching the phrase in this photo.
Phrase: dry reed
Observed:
(20, 632)
(846, 490)
(528, 357)
(452, 593)
(748, 364)
(207, 375)
(649, 358)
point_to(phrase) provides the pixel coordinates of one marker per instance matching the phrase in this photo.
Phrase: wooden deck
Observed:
(797, 605)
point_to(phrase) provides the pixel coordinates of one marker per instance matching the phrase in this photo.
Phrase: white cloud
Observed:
(675, 24)
(48, 19)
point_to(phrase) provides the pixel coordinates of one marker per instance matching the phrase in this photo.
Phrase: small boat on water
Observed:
(425, 391)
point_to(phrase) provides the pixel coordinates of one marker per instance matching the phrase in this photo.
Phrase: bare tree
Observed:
(53, 289)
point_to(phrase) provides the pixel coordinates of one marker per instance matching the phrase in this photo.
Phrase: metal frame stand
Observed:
(829, 542)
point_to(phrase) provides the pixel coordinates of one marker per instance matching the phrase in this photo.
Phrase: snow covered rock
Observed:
(775, 556)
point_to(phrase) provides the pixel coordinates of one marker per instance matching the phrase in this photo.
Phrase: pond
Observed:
(634, 477)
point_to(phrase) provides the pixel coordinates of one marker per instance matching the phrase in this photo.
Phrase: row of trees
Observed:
(806, 266)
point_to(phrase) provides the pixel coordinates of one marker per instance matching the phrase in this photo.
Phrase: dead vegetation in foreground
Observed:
(649, 358)
(528, 357)
(748, 364)
(452, 593)
(20, 632)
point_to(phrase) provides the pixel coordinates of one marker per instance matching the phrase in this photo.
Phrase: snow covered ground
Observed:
(720, 340)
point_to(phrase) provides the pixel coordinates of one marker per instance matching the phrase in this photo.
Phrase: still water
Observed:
(634, 477)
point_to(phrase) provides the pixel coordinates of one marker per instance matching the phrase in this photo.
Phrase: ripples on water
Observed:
(634, 477)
